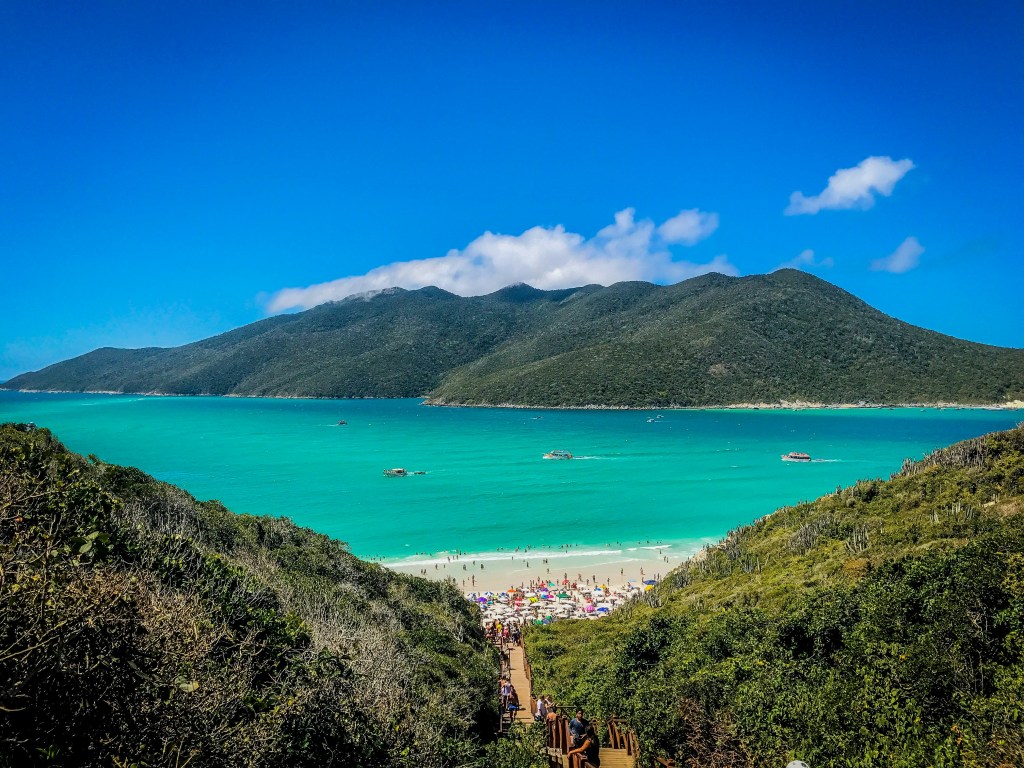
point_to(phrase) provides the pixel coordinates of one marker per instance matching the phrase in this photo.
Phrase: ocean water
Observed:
(641, 477)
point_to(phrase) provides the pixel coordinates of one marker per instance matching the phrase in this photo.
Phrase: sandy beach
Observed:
(498, 571)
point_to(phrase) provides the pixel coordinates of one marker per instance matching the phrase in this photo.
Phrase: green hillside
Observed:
(880, 625)
(712, 340)
(141, 627)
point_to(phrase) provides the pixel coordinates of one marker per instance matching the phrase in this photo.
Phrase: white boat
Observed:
(558, 455)
(396, 472)
(796, 456)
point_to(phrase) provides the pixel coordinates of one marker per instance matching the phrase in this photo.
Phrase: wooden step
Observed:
(611, 758)
(617, 758)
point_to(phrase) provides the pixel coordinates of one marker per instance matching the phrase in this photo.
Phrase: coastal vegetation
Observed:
(712, 340)
(881, 624)
(139, 626)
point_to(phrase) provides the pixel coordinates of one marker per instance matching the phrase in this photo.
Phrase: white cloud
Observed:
(853, 187)
(806, 259)
(688, 227)
(544, 257)
(903, 259)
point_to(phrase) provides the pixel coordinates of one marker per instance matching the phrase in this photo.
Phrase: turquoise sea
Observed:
(678, 477)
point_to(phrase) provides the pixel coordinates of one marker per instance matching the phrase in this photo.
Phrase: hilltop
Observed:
(139, 626)
(712, 340)
(883, 623)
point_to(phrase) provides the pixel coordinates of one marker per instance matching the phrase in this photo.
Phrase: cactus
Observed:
(858, 540)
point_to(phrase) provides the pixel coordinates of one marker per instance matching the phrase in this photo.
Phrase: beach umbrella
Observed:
(650, 582)
(530, 594)
(588, 608)
(481, 599)
(563, 595)
(648, 588)
(603, 609)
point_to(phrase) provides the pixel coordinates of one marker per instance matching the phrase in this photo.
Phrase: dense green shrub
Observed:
(140, 627)
(908, 651)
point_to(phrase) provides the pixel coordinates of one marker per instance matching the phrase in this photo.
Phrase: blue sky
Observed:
(170, 169)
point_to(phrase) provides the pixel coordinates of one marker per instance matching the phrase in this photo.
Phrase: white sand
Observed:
(501, 570)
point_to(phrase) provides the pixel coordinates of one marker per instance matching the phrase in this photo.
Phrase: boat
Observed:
(558, 455)
(342, 423)
(796, 456)
(396, 472)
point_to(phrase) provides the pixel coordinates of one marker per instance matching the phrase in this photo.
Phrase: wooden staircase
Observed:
(519, 674)
(620, 749)
(619, 752)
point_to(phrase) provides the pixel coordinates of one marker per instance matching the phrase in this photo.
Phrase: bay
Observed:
(667, 477)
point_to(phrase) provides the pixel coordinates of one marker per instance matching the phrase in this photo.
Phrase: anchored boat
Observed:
(795, 456)
(558, 455)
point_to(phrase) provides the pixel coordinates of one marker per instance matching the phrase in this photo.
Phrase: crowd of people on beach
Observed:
(462, 568)
(543, 601)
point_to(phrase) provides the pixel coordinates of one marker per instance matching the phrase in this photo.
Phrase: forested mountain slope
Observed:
(712, 340)
(880, 625)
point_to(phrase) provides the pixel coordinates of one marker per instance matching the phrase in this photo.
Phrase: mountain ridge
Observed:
(709, 341)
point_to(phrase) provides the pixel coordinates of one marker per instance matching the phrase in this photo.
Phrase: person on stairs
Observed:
(578, 728)
(589, 749)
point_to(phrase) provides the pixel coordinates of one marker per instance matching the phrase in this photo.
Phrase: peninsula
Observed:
(709, 341)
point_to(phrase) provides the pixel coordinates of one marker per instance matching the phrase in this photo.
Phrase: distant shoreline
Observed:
(783, 405)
